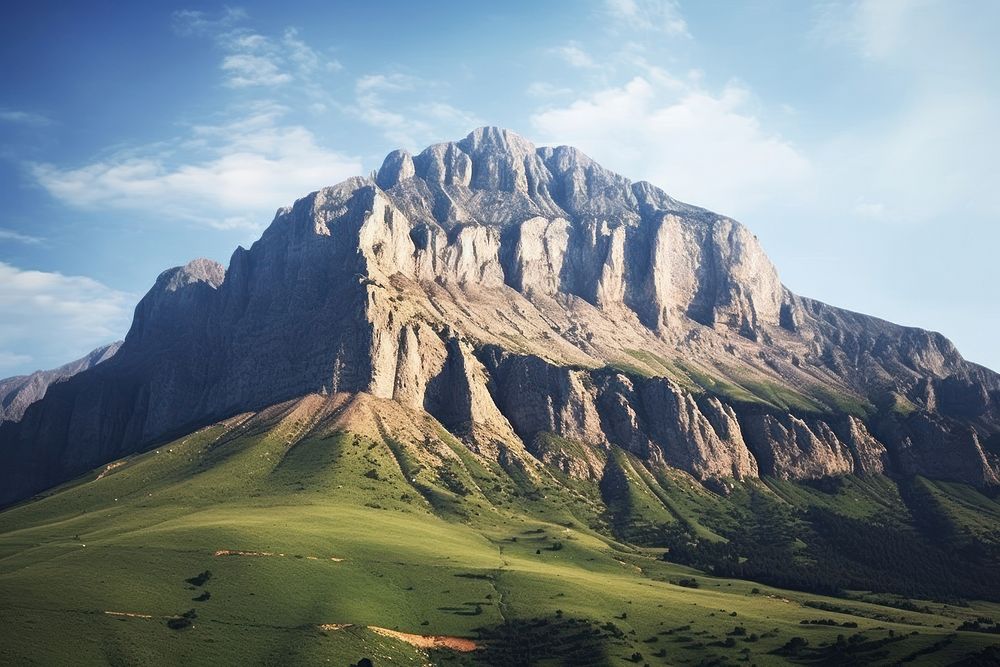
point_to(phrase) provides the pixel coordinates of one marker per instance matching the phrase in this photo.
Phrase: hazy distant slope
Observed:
(17, 393)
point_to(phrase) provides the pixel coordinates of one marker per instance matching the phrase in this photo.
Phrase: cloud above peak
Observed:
(703, 147)
(233, 175)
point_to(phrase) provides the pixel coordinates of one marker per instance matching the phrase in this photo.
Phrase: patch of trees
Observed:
(981, 624)
(827, 621)
(558, 640)
(843, 553)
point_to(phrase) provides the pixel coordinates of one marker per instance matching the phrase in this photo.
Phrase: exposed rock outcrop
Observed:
(790, 447)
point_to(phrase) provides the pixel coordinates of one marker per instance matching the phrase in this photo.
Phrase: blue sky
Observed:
(858, 140)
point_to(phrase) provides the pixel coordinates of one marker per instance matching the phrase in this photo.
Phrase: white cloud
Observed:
(244, 70)
(662, 16)
(709, 149)
(12, 235)
(194, 22)
(234, 175)
(427, 117)
(47, 319)
(382, 83)
(29, 118)
(308, 59)
(574, 55)
(252, 59)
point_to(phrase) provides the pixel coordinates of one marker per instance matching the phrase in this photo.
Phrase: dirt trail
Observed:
(234, 552)
(129, 614)
(263, 554)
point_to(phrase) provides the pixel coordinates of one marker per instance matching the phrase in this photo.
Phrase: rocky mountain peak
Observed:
(198, 270)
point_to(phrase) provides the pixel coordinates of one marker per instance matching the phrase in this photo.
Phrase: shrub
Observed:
(200, 579)
(183, 621)
(178, 623)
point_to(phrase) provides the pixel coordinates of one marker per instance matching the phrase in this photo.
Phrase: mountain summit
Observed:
(542, 309)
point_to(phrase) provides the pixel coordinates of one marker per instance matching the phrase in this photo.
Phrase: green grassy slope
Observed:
(368, 521)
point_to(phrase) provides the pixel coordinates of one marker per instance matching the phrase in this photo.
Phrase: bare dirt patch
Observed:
(128, 614)
(333, 627)
(108, 468)
(265, 554)
(234, 552)
(428, 641)
(459, 644)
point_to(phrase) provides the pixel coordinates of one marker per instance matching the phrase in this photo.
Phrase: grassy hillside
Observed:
(310, 532)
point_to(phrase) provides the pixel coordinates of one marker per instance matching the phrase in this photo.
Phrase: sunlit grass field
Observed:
(355, 531)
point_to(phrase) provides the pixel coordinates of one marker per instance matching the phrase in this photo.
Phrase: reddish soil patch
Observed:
(428, 641)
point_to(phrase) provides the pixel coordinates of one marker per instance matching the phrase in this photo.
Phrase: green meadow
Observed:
(354, 532)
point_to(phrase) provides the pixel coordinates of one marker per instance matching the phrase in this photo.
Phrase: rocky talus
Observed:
(525, 296)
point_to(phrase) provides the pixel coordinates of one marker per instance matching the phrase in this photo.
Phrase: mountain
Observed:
(498, 405)
(18, 392)
(511, 292)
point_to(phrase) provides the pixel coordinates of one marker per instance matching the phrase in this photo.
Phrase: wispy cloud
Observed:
(19, 117)
(48, 318)
(244, 70)
(196, 22)
(378, 96)
(657, 16)
(574, 55)
(232, 175)
(12, 235)
(255, 60)
(705, 147)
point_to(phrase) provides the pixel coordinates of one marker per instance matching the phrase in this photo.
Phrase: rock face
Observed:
(17, 393)
(538, 306)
